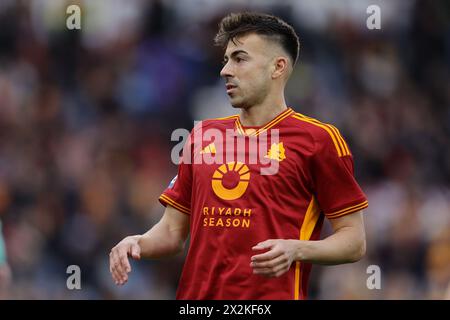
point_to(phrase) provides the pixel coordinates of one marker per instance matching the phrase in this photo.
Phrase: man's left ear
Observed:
(280, 67)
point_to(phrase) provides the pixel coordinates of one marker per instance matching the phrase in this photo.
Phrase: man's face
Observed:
(247, 70)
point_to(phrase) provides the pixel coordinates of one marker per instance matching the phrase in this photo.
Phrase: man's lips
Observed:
(230, 87)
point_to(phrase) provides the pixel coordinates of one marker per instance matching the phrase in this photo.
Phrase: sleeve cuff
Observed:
(347, 210)
(165, 200)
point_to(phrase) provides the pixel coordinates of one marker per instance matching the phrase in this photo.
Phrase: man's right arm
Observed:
(166, 238)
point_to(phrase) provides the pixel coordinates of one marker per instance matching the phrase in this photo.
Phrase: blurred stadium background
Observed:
(86, 118)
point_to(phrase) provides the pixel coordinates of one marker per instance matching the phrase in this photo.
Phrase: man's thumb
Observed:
(136, 251)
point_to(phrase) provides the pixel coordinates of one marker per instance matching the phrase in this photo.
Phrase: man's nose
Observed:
(226, 71)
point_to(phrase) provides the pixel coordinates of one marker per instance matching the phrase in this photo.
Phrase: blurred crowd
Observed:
(86, 118)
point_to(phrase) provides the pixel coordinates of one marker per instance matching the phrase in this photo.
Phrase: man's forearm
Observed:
(344, 246)
(159, 242)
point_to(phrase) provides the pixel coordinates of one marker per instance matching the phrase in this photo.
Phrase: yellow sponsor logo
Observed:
(276, 152)
(226, 217)
(231, 168)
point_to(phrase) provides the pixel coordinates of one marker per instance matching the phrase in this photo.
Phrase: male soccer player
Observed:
(255, 235)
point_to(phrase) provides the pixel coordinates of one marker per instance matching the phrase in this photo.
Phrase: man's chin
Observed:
(237, 104)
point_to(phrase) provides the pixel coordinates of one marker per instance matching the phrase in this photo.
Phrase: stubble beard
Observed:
(247, 102)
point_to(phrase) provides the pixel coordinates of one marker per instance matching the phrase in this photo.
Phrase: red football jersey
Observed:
(234, 204)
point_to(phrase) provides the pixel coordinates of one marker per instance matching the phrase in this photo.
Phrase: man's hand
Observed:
(166, 238)
(119, 266)
(277, 260)
(347, 244)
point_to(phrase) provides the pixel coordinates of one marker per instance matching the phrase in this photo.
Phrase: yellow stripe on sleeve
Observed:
(347, 210)
(175, 204)
(344, 146)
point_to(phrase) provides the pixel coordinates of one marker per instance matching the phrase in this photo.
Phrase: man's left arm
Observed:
(347, 244)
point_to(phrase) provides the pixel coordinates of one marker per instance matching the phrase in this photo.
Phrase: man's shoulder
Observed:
(321, 133)
(316, 128)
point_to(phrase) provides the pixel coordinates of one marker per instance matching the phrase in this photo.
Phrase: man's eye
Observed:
(239, 59)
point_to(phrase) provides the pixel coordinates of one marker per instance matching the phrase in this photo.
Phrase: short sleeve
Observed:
(335, 186)
(178, 192)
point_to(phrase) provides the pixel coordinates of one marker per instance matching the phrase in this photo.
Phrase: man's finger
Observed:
(280, 272)
(115, 271)
(123, 278)
(271, 272)
(111, 270)
(269, 255)
(112, 263)
(125, 263)
(117, 264)
(263, 245)
(123, 272)
(281, 259)
(114, 274)
(263, 271)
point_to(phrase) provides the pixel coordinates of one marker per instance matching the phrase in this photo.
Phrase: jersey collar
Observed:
(254, 131)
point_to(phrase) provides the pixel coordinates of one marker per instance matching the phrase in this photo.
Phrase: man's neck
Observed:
(258, 115)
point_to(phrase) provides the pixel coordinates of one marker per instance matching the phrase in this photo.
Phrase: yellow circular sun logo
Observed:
(230, 180)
